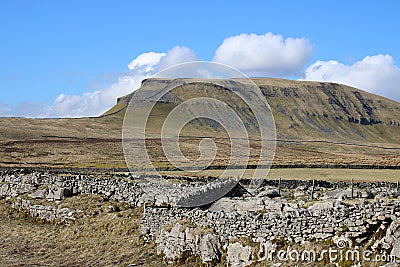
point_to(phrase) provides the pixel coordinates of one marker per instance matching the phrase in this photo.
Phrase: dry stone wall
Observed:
(236, 229)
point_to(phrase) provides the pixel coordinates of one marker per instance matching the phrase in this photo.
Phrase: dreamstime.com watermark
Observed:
(205, 98)
(332, 255)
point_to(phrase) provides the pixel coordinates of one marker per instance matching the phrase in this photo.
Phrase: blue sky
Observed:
(58, 57)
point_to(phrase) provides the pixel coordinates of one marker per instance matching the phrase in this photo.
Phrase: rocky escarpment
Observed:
(304, 109)
(237, 230)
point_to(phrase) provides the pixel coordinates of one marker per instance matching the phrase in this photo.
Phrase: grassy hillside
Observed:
(304, 110)
(316, 123)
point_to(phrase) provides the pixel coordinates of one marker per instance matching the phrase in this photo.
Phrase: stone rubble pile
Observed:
(47, 213)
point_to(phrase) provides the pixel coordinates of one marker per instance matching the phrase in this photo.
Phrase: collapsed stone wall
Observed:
(235, 229)
(47, 213)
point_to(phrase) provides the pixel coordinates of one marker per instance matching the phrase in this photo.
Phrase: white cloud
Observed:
(376, 74)
(255, 55)
(97, 102)
(146, 60)
(177, 55)
(265, 55)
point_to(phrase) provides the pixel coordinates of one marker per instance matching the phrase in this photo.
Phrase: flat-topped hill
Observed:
(317, 123)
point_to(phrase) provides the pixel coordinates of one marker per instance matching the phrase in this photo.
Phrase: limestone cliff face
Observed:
(332, 111)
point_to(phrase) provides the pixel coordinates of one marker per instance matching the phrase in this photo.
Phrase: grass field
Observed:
(97, 238)
(327, 174)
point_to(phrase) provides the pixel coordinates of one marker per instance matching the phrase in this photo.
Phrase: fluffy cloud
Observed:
(255, 55)
(377, 74)
(146, 61)
(177, 55)
(265, 55)
(97, 102)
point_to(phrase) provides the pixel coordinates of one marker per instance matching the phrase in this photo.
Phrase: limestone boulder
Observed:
(239, 255)
(320, 206)
(269, 192)
(209, 248)
(223, 204)
(58, 193)
(38, 194)
(181, 241)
